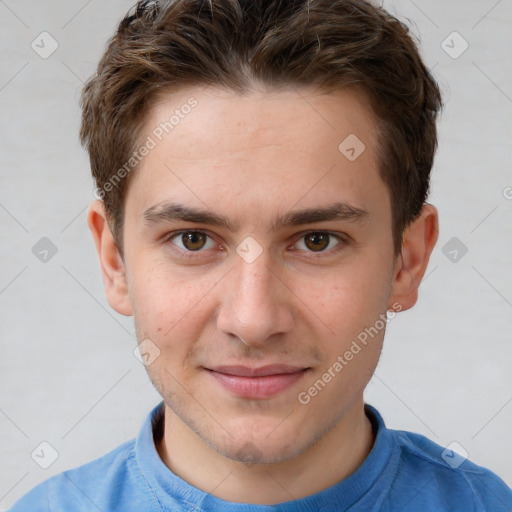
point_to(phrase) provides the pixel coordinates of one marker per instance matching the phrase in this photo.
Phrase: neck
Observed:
(329, 461)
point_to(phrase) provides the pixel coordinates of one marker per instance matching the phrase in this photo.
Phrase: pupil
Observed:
(193, 241)
(319, 241)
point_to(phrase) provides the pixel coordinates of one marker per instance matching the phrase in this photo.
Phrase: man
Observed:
(263, 169)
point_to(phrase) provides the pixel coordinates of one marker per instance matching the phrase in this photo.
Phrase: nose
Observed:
(256, 304)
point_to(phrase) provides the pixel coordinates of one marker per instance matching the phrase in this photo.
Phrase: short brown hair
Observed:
(331, 44)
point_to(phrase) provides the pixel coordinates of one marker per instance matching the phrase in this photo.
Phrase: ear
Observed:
(112, 265)
(419, 240)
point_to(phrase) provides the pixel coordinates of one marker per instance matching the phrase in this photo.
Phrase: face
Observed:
(256, 252)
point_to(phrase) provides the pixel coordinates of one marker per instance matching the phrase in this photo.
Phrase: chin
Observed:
(271, 446)
(258, 452)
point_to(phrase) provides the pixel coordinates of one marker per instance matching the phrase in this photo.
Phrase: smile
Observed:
(256, 383)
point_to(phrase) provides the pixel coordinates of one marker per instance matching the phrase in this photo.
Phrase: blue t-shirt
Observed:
(403, 472)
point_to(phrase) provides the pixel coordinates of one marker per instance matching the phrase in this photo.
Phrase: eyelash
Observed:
(342, 240)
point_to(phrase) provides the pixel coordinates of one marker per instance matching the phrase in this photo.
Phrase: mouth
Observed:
(256, 383)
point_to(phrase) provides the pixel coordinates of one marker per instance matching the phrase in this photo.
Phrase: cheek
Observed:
(352, 302)
(172, 307)
(163, 299)
(350, 297)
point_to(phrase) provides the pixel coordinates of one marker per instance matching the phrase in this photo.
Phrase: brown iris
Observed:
(317, 241)
(193, 240)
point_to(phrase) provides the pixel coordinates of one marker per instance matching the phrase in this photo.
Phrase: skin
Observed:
(252, 159)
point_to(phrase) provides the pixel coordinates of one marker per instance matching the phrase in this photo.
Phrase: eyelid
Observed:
(170, 236)
(342, 238)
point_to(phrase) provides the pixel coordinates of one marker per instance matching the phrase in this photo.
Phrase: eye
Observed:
(192, 241)
(318, 241)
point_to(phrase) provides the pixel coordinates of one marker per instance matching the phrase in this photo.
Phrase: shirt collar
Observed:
(366, 484)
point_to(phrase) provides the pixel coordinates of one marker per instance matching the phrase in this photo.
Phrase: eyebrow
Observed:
(169, 212)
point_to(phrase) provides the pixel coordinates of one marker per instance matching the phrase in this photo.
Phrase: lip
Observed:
(257, 383)
(262, 371)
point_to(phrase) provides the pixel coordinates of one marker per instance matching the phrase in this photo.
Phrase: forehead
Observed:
(227, 121)
(293, 143)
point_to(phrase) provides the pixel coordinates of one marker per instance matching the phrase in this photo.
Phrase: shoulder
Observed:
(79, 488)
(432, 477)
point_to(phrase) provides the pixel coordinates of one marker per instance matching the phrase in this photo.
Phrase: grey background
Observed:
(68, 375)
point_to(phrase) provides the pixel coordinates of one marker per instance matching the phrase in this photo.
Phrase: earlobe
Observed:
(419, 240)
(112, 266)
